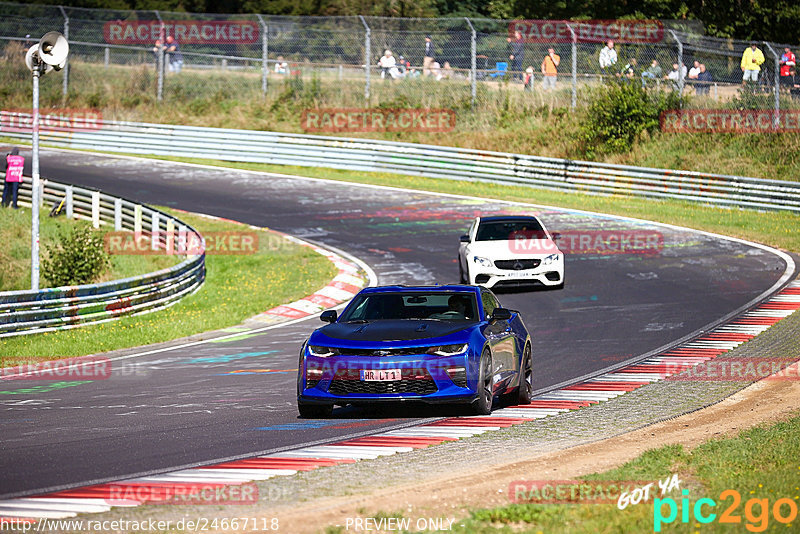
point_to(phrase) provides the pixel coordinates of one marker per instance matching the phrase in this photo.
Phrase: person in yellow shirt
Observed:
(752, 58)
(550, 69)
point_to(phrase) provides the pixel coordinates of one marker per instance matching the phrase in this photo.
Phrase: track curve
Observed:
(183, 407)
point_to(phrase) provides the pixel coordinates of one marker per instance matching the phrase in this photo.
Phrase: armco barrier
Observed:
(27, 312)
(419, 160)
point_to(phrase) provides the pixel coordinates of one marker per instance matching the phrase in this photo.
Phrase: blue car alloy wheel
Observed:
(440, 344)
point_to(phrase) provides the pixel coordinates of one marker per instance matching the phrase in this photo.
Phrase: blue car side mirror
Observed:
(328, 316)
(500, 314)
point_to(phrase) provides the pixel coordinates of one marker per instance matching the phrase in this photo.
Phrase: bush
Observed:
(619, 112)
(79, 257)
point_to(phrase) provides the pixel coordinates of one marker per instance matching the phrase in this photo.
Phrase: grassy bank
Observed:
(15, 256)
(504, 119)
(236, 287)
(778, 229)
(706, 472)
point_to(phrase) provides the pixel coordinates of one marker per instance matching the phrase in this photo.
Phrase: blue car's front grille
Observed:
(413, 382)
(382, 353)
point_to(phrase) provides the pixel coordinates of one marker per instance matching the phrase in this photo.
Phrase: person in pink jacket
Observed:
(14, 165)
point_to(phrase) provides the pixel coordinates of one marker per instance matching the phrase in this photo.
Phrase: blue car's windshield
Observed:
(391, 306)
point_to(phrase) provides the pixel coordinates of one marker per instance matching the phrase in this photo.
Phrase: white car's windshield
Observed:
(392, 306)
(510, 230)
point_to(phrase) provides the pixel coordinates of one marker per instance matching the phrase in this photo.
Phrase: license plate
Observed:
(381, 375)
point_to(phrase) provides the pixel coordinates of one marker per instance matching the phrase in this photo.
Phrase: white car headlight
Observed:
(483, 262)
(549, 260)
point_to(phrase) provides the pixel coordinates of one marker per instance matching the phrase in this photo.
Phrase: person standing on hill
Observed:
(608, 58)
(516, 52)
(752, 58)
(550, 69)
(14, 166)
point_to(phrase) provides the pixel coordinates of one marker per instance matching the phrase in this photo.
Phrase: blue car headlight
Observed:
(448, 350)
(322, 352)
(483, 262)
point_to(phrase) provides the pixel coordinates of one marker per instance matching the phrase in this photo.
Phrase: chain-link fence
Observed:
(457, 63)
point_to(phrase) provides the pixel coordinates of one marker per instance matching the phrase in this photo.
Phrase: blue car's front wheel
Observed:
(483, 404)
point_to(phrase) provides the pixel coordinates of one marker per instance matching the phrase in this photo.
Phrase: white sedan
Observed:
(510, 251)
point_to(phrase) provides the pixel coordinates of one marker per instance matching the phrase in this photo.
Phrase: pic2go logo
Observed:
(756, 511)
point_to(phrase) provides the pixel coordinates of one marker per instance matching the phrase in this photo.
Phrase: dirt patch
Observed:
(450, 497)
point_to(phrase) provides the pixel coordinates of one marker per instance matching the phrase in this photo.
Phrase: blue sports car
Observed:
(440, 344)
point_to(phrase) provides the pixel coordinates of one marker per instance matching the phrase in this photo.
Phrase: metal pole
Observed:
(473, 61)
(35, 182)
(65, 86)
(264, 53)
(680, 62)
(367, 56)
(160, 62)
(574, 101)
(776, 120)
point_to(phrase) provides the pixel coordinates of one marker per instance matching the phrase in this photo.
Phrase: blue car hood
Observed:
(433, 332)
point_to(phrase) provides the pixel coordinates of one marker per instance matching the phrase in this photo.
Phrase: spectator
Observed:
(550, 69)
(174, 54)
(436, 70)
(630, 70)
(516, 52)
(447, 70)
(653, 72)
(281, 66)
(528, 81)
(427, 61)
(695, 70)
(388, 65)
(704, 80)
(752, 58)
(14, 166)
(787, 63)
(608, 58)
(402, 66)
(676, 76)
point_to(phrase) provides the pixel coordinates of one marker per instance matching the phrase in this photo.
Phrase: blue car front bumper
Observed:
(424, 378)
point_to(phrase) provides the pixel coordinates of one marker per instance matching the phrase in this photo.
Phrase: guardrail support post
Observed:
(117, 214)
(169, 242)
(776, 120)
(69, 203)
(95, 209)
(154, 224)
(367, 56)
(137, 220)
(264, 54)
(574, 101)
(181, 239)
(65, 70)
(473, 75)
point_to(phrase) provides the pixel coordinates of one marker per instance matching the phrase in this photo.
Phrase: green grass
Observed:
(15, 256)
(236, 287)
(760, 463)
(778, 229)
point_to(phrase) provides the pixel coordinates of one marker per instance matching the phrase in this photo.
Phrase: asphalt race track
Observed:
(206, 402)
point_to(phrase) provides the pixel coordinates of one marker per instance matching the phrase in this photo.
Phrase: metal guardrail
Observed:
(28, 312)
(420, 160)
